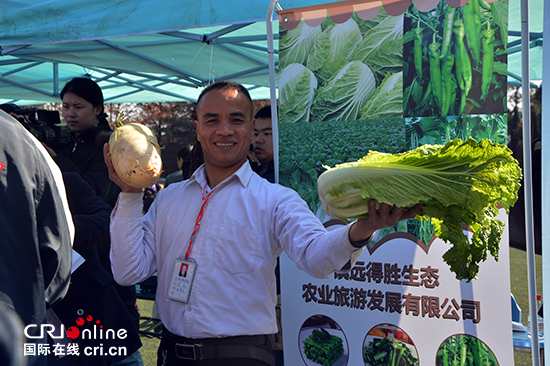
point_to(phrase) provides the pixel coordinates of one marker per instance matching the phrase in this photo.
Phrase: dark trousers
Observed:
(230, 351)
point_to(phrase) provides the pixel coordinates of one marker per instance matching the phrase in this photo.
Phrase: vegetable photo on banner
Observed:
(476, 36)
(332, 71)
(461, 182)
(463, 349)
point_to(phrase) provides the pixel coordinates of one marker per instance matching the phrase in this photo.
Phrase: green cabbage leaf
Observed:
(461, 182)
(382, 47)
(387, 101)
(333, 48)
(343, 97)
(297, 85)
(296, 44)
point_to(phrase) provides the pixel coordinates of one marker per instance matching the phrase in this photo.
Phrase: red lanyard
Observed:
(199, 219)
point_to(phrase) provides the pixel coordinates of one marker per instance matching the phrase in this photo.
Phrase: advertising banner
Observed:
(359, 77)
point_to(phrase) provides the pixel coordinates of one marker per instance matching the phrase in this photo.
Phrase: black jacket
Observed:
(269, 174)
(85, 157)
(92, 292)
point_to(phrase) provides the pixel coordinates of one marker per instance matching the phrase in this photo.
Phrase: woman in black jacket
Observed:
(83, 112)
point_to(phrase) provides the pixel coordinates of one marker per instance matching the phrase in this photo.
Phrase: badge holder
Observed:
(183, 275)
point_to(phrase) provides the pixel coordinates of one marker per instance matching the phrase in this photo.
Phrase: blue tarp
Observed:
(160, 50)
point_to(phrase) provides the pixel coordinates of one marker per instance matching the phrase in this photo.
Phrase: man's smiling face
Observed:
(224, 128)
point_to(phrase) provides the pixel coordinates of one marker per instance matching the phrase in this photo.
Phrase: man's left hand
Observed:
(384, 217)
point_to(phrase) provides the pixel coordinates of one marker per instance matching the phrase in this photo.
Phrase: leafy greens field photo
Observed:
(440, 130)
(306, 148)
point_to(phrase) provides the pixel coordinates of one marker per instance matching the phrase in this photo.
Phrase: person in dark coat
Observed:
(83, 111)
(184, 161)
(37, 232)
(92, 292)
(263, 144)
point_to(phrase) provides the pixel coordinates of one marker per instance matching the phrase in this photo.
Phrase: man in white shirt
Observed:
(229, 225)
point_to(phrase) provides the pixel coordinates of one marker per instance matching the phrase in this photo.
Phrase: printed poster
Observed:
(391, 83)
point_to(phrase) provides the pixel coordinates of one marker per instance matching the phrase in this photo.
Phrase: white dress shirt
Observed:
(247, 223)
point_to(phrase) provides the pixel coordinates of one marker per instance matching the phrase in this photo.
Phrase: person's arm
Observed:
(90, 214)
(317, 251)
(96, 173)
(132, 238)
(55, 232)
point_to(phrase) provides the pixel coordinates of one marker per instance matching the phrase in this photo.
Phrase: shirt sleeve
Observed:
(303, 237)
(132, 240)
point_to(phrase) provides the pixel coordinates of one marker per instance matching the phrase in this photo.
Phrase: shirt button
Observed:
(196, 250)
(189, 308)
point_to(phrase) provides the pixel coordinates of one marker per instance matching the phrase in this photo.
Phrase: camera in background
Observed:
(42, 123)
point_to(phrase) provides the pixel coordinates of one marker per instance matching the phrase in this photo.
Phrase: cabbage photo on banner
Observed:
(342, 72)
(346, 80)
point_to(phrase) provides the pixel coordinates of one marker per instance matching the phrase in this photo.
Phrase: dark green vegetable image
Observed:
(488, 60)
(463, 66)
(418, 50)
(447, 30)
(435, 72)
(323, 348)
(447, 83)
(386, 352)
(479, 65)
(472, 27)
(462, 349)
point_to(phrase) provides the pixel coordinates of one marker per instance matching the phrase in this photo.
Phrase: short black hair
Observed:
(264, 112)
(88, 90)
(222, 84)
(184, 152)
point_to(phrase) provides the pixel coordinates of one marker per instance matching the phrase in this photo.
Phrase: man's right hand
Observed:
(114, 176)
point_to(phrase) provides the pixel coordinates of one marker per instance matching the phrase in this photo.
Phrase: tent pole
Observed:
(545, 132)
(272, 89)
(527, 181)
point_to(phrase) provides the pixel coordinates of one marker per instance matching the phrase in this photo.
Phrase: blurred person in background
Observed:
(263, 144)
(83, 112)
(37, 232)
(184, 161)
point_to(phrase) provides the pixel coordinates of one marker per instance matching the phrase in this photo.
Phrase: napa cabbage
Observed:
(343, 97)
(296, 44)
(297, 85)
(382, 46)
(387, 101)
(333, 48)
(458, 183)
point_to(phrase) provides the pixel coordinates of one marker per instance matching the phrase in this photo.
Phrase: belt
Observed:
(246, 347)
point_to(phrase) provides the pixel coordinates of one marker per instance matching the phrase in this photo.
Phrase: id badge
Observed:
(183, 274)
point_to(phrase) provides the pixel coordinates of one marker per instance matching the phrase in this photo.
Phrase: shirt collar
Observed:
(243, 174)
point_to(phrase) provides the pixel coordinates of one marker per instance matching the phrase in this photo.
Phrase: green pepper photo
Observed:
(455, 60)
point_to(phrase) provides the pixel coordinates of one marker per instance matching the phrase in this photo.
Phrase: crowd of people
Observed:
(220, 216)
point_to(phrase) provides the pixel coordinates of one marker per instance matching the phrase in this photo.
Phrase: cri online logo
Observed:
(74, 332)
